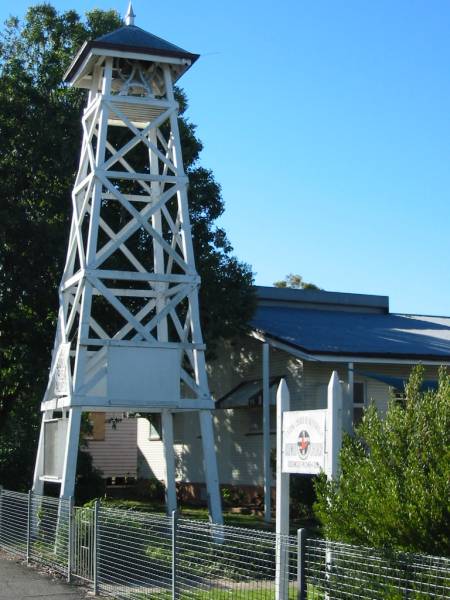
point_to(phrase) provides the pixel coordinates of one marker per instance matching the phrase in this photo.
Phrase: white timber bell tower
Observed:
(128, 336)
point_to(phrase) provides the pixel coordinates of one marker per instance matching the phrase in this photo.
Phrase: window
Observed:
(155, 431)
(97, 422)
(255, 420)
(178, 427)
(359, 401)
(399, 396)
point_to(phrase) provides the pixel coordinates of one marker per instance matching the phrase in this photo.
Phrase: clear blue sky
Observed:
(327, 125)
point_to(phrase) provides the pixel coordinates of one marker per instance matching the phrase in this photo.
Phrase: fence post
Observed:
(95, 548)
(301, 579)
(70, 541)
(282, 502)
(29, 509)
(174, 555)
(1, 509)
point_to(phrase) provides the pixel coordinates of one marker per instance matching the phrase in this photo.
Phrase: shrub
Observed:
(394, 486)
(90, 483)
(150, 489)
(302, 496)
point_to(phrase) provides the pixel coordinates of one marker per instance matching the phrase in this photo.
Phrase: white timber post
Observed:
(210, 463)
(71, 453)
(169, 455)
(266, 434)
(162, 330)
(73, 429)
(205, 416)
(333, 445)
(91, 252)
(158, 252)
(334, 426)
(347, 401)
(38, 484)
(282, 501)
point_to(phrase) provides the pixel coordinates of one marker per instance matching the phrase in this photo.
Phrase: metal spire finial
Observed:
(129, 17)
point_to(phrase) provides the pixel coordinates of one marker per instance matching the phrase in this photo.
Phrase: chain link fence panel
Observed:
(347, 572)
(14, 522)
(49, 532)
(133, 555)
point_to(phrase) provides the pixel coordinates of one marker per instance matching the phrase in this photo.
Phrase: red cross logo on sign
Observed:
(304, 443)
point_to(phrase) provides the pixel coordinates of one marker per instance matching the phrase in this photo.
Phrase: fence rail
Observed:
(139, 556)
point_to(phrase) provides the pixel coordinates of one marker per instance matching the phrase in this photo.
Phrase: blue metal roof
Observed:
(335, 332)
(131, 35)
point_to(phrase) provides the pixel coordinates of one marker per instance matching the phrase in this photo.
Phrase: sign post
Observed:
(308, 442)
(334, 426)
(282, 500)
(334, 443)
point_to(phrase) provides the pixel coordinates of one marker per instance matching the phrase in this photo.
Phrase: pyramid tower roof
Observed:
(133, 40)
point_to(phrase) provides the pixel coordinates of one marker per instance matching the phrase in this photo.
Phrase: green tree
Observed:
(296, 282)
(39, 148)
(394, 488)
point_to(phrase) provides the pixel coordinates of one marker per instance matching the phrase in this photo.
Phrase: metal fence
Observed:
(37, 528)
(348, 572)
(139, 556)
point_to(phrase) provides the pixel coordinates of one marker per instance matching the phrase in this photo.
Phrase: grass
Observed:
(198, 512)
(244, 593)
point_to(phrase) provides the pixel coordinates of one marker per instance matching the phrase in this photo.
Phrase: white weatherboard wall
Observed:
(240, 458)
(187, 447)
(116, 455)
(242, 361)
(316, 377)
(240, 449)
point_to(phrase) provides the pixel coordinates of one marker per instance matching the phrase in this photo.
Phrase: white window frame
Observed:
(256, 428)
(153, 434)
(359, 405)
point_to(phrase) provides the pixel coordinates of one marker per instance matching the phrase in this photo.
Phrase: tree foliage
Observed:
(40, 138)
(296, 282)
(394, 488)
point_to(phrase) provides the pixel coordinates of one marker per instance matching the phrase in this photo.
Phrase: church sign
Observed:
(304, 441)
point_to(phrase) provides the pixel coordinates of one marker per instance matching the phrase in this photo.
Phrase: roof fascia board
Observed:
(258, 335)
(141, 56)
(343, 358)
(74, 61)
(80, 71)
(381, 360)
(103, 52)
